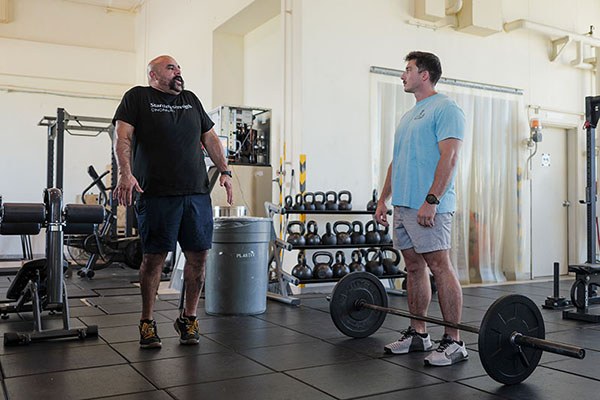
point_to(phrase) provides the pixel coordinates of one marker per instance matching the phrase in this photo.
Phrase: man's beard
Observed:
(173, 84)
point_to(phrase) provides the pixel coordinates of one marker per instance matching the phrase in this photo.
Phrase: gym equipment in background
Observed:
(39, 284)
(245, 133)
(104, 246)
(587, 275)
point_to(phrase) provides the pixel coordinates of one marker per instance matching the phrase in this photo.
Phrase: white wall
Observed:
(263, 76)
(69, 23)
(184, 30)
(334, 43)
(57, 54)
(343, 38)
(23, 152)
(68, 48)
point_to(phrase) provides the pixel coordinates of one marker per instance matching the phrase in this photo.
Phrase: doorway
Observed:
(550, 204)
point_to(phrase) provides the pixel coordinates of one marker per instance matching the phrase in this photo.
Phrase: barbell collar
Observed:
(562, 349)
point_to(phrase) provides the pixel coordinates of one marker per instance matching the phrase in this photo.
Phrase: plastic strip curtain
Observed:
(490, 231)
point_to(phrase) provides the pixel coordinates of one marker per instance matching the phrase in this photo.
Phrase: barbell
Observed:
(511, 335)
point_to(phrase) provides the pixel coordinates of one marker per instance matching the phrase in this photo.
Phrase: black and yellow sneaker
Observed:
(148, 336)
(188, 330)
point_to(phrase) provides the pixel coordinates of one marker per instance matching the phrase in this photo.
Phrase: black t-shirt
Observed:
(166, 149)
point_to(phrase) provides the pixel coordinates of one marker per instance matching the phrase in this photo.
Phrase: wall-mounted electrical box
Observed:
(480, 17)
(430, 10)
(245, 133)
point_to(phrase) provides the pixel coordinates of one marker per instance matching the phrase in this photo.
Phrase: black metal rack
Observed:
(587, 275)
(85, 126)
(283, 279)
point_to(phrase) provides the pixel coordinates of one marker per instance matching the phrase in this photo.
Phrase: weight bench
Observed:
(587, 276)
(39, 284)
(29, 292)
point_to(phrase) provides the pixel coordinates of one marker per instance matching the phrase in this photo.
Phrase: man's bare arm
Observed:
(386, 192)
(126, 183)
(213, 147)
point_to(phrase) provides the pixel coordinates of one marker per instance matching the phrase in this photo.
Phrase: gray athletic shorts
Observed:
(408, 233)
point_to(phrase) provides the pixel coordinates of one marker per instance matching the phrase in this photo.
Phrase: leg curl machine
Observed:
(39, 284)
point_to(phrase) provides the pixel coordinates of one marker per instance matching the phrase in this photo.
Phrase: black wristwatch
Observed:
(227, 172)
(432, 199)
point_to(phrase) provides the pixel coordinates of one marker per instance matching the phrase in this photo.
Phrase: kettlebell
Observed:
(331, 201)
(343, 237)
(322, 270)
(372, 235)
(301, 270)
(319, 201)
(289, 203)
(309, 201)
(299, 205)
(374, 264)
(357, 236)
(372, 204)
(340, 268)
(328, 238)
(345, 200)
(312, 237)
(356, 265)
(391, 265)
(384, 235)
(296, 238)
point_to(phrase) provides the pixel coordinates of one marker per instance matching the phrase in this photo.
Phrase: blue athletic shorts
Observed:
(165, 220)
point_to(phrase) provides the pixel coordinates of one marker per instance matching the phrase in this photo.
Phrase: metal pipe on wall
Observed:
(597, 71)
(550, 30)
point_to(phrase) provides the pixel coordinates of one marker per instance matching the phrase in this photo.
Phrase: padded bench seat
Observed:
(587, 269)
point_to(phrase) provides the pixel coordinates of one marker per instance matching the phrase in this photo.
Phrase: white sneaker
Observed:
(409, 342)
(448, 352)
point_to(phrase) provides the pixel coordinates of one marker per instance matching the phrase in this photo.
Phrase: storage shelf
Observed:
(329, 212)
(284, 278)
(341, 246)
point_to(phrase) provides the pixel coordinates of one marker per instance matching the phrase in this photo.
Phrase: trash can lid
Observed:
(243, 230)
(237, 220)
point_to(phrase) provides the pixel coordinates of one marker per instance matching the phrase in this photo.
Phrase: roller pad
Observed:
(24, 212)
(19, 228)
(84, 214)
(79, 229)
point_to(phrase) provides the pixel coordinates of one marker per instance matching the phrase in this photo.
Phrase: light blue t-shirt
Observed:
(416, 151)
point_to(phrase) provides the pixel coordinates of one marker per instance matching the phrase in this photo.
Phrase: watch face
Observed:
(431, 199)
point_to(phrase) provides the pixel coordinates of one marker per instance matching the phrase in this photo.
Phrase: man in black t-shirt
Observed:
(160, 131)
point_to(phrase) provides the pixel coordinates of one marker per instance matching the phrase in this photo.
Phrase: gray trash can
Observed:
(237, 266)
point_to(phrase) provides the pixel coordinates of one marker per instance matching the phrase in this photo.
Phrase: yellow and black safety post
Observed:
(302, 181)
(280, 183)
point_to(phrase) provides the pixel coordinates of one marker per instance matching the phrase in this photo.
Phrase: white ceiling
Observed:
(131, 6)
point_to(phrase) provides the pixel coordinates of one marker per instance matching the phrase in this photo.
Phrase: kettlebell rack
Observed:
(283, 279)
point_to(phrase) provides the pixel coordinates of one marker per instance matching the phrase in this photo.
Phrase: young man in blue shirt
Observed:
(420, 180)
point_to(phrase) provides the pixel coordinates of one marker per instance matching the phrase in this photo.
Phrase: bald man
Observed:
(160, 130)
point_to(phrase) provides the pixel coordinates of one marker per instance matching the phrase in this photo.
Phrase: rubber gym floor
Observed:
(285, 353)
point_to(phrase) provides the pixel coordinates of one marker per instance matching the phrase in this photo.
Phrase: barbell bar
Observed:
(511, 336)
